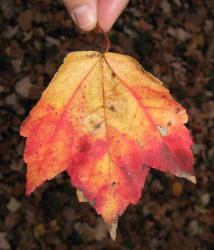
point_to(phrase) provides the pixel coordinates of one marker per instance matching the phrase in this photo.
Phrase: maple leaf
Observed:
(106, 121)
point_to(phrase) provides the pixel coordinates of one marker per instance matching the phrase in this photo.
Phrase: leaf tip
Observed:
(80, 196)
(28, 191)
(29, 188)
(189, 177)
(192, 179)
(113, 229)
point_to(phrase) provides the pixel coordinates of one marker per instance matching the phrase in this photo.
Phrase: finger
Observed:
(108, 11)
(83, 12)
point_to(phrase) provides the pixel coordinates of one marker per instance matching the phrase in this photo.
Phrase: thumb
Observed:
(83, 13)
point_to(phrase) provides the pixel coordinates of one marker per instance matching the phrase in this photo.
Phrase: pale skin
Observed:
(88, 13)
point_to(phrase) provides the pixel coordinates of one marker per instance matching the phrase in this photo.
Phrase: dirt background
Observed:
(174, 40)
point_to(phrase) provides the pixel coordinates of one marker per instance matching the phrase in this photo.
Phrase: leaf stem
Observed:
(106, 37)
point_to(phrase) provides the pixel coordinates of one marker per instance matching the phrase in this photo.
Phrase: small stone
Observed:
(13, 205)
(182, 34)
(146, 210)
(165, 6)
(10, 221)
(20, 148)
(176, 65)
(52, 41)
(209, 93)
(100, 230)
(197, 148)
(171, 31)
(178, 2)
(23, 86)
(205, 198)
(1, 89)
(11, 100)
(69, 214)
(208, 26)
(85, 230)
(16, 63)
(157, 185)
(194, 228)
(10, 31)
(17, 165)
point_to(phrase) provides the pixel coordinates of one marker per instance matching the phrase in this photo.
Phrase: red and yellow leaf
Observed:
(106, 121)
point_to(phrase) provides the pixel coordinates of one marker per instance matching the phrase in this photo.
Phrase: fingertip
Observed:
(85, 17)
(108, 11)
(104, 26)
(83, 13)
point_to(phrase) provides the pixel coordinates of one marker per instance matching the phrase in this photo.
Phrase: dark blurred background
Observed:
(174, 40)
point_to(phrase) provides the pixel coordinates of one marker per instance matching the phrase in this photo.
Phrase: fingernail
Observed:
(84, 16)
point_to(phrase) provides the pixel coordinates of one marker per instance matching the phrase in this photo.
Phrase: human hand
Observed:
(87, 13)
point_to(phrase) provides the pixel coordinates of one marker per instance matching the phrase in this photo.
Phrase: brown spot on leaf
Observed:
(84, 147)
(177, 110)
(98, 125)
(112, 108)
(113, 75)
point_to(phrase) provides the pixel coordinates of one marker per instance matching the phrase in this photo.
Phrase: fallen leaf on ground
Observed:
(39, 230)
(13, 205)
(25, 20)
(177, 189)
(106, 121)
